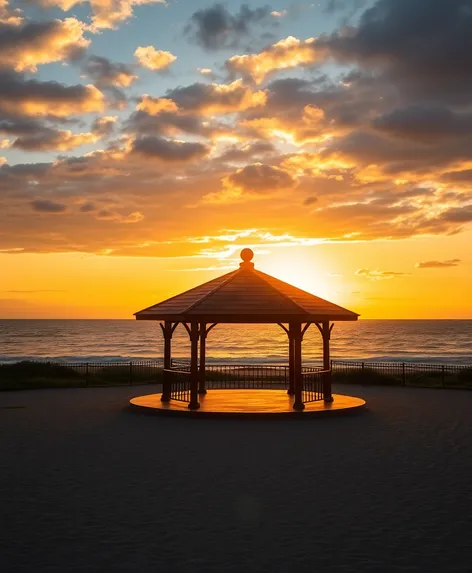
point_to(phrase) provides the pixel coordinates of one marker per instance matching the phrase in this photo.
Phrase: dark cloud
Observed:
(458, 214)
(47, 139)
(223, 98)
(438, 264)
(464, 176)
(23, 97)
(425, 123)
(87, 207)
(47, 206)
(261, 178)
(168, 150)
(215, 28)
(168, 123)
(104, 126)
(11, 125)
(247, 152)
(105, 73)
(424, 47)
(310, 201)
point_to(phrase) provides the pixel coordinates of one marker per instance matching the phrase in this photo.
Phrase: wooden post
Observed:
(194, 336)
(326, 334)
(298, 381)
(291, 361)
(167, 332)
(201, 370)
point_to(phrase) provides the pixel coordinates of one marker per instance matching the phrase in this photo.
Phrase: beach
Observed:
(88, 485)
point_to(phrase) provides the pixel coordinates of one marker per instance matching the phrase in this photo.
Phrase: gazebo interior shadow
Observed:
(246, 296)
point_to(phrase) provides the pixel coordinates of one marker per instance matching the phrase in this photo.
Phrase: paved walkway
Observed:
(88, 485)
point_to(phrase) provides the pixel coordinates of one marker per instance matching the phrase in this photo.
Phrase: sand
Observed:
(88, 485)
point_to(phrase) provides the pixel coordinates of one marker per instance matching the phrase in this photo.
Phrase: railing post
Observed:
(403, 374)
(165, 396)
(298, 378)
(130, 373)
(86, 373)
(443, 375)
(194, 337)
(326, 335)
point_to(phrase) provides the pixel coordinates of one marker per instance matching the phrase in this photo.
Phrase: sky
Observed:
(144, 143)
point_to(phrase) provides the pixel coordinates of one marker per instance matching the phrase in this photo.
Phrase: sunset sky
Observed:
(144, 143)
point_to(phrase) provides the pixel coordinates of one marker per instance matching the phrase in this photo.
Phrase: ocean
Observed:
(427, 341)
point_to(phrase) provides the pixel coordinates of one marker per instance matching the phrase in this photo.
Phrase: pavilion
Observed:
(245, 296)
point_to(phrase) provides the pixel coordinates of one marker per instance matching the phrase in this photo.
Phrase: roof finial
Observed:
(247, 256)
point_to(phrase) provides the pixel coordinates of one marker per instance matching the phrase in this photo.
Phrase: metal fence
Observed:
(403, 373)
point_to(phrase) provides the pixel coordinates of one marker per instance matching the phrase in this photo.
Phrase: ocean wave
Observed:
(274, 359)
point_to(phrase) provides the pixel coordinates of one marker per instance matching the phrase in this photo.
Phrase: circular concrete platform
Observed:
(247, 403)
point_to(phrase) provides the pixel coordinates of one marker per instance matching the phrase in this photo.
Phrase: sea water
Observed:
(439, 341)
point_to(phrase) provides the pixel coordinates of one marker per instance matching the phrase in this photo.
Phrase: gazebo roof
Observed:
(246, 295)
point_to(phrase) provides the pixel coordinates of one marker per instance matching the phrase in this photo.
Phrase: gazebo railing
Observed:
(313, 381)
(177, 385)
(246, 377)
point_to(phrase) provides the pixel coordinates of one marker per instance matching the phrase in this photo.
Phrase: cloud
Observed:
(105, 73)
(247, 152)
(458, 214)
(88, 207)
(285, 54)
(152, 59)
(186, 109)
(251, 182)
(423, 48)
(168, 150)
(216, 98)
(310, 201)
(438, 264)
(261, 178)
(53, 139)
(25, 46)
(111, 215)
(425, 123)
(9, 15)
(105, 13)
(105, 125)
(156, 105)
(19, 96)
(378, 275)
(46, 206)
(215, 28)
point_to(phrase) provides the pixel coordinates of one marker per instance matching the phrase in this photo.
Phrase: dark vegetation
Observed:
(28, 375)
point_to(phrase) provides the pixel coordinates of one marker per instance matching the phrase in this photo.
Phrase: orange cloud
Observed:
(251, 182)
(40, 99)
(153, 59)
(285, 54)
(31, 45)
(55, 140)
(156, 105)
(211, 99)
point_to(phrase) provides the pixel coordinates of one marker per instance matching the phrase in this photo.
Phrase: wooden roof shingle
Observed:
(246, 295)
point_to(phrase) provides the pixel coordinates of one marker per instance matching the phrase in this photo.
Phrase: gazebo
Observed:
(246, 296)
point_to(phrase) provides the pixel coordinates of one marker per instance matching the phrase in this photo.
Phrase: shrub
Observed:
(365, 376)
(27, 370)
